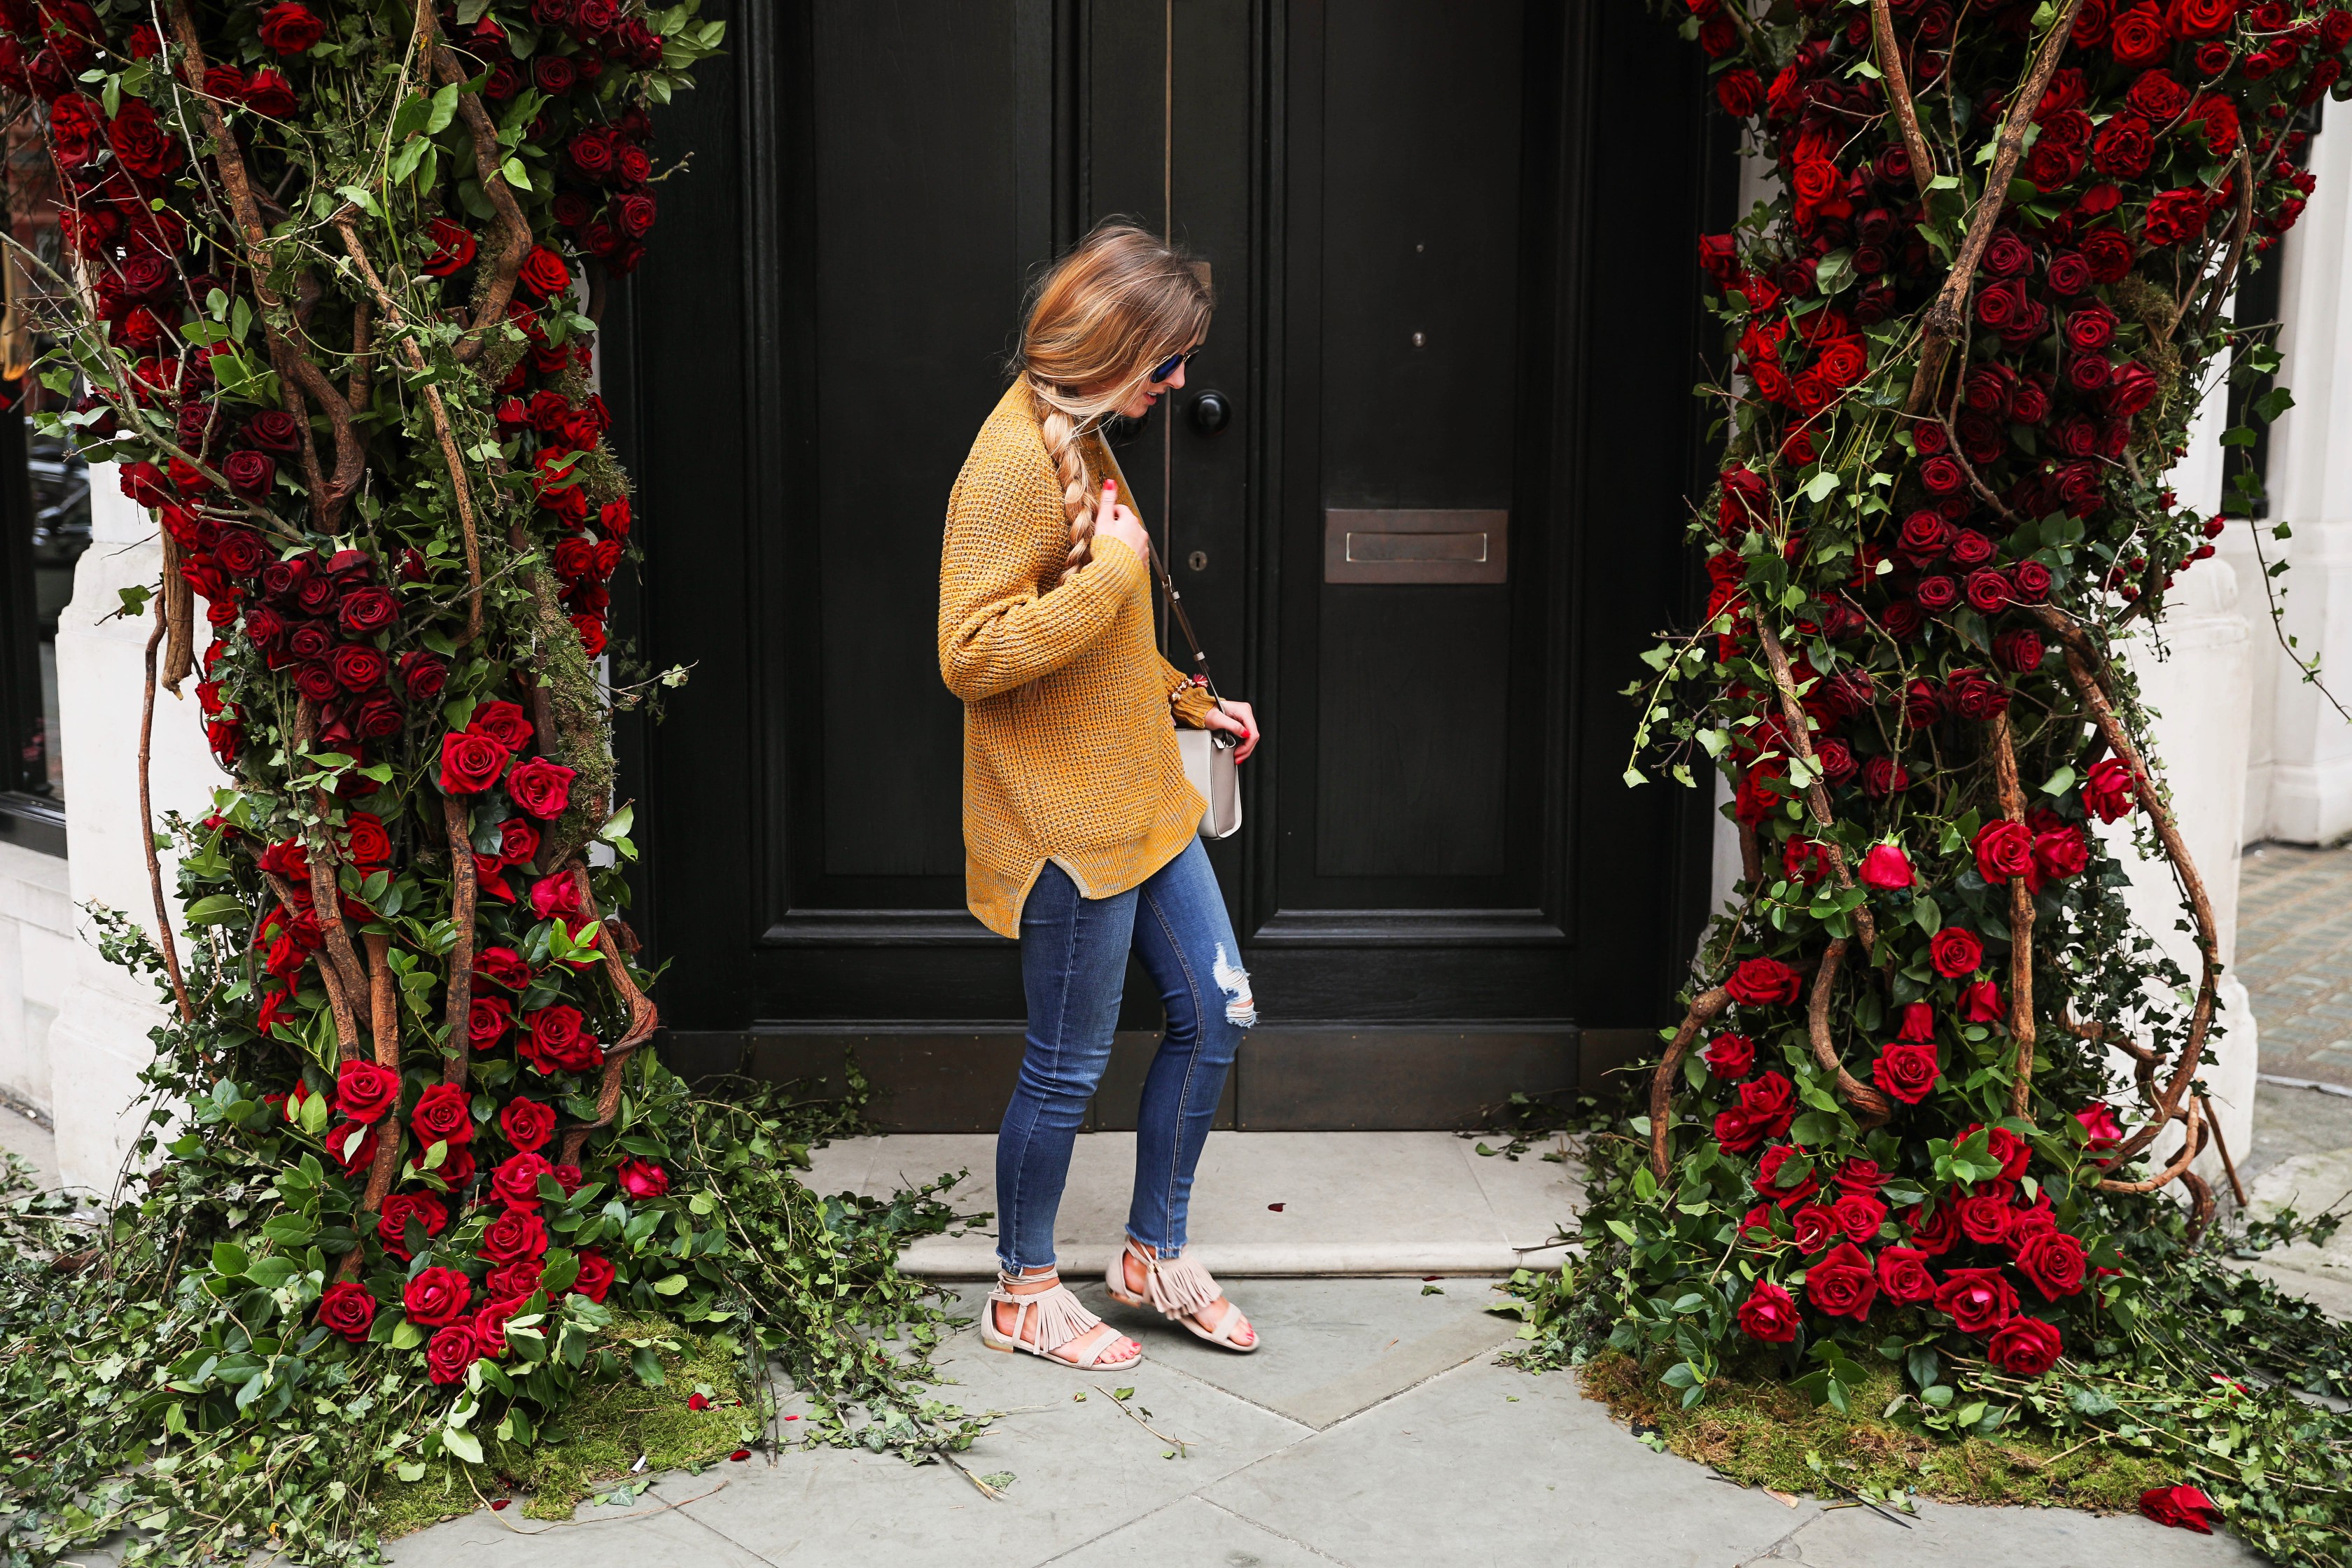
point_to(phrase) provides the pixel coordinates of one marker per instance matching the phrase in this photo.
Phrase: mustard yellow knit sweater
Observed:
(1069, 744)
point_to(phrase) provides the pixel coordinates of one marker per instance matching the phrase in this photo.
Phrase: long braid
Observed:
(1079, 505)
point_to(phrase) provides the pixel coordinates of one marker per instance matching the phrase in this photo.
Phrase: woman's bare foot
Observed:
(1139, 1279)
(1118, 1348)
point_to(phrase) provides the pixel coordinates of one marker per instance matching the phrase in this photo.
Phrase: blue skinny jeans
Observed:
(1074, 954)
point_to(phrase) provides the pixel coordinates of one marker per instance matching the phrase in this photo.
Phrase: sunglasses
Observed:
(1175, 362)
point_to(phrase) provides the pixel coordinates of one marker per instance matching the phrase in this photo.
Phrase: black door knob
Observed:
(1211, 412)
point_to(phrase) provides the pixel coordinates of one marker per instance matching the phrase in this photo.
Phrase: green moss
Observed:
(1766, 1434)
(598, 1439)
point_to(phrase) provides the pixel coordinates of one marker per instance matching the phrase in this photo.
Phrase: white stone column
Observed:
(2307, 794)
(98, 1040)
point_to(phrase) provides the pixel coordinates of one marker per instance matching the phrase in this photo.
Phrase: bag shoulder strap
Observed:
(1167, 585)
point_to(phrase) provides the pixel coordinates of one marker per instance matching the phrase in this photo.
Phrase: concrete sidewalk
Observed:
(1373, 1430)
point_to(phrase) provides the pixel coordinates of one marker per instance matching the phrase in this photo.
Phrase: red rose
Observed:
(358, 667)
(1906, 1071)
(517, 1234)
(1767, 1177)
(1860, 1177)
(1980, 1003)
(2174, 216)
(1918, 1026)
(450, 1353)
(367, 610)
(364, 837)
(1902, 1275)
(1768, 1314)
(2108, 253)
(1955, 952)
(2181, 1507)
(2029, 580)
(2098, 1119)
(437, 1295)
(2005, 1146)
(569, 1178)
(1730, 1057)
(1771, 1100)
(558, 1040)
(2138, 37)
(487, 1023)
(289, 28)
(347, 1308)
(489, 1326)
(1816, 1226)
(140, 140)
(351, 1145)
(1886, 867)
(2003, 849)
(502, 722)
(1737, 1131)
(392, 1221)
(364, 1092)
(1740, 91)
(527, 1124)
(2061, 853)
(2025, 1347)
(518, 839)
(1935, 1230)
(641, 1179)
(1763, 983)
(249, 473)
(515, 1281)
(595, 1276)
(515, 1181)
(544, 273)
(1985, 1217)
(422, 675)
(2107, 789)
(540, 787)
(1859, 1215)
(444, 1114)
(557, 894)
(268, 93)
(470, 764)
(2052, 1263)
(1843, 1284)
(2203, 18)
(1978, 1300)
(502, 966)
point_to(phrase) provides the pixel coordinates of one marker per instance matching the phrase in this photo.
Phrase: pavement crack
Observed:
(1774, 1549)
(1305, 1546)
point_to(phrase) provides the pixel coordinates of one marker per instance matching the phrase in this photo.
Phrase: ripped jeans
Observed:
(1074, 954)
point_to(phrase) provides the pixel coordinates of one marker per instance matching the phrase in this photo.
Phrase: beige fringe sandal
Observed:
(1062, 1319)
(1180, 1290)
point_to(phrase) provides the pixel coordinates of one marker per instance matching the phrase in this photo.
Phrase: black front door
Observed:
(1418, 512)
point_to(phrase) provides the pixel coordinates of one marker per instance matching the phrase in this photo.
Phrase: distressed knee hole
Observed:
(1241, 1007)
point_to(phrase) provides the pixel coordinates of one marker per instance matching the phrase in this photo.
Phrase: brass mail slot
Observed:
(1364, 545)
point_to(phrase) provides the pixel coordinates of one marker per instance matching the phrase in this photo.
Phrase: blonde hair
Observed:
(1107, 315)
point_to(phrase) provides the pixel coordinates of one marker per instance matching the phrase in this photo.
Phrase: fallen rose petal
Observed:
(697, 1401)
(497, 1503)
(740, 1454)
(1275, 1207)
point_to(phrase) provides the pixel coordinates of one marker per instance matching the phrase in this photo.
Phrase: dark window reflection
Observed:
(61, 486)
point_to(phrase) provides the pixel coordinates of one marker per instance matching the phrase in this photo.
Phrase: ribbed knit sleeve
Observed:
(1192, 704)
(997, 629)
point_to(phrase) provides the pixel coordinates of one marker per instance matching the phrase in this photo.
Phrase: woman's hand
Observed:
(1235, 719)
(1113, 520)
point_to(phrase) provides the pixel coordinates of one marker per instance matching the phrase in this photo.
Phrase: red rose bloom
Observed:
(540, 787)
(2107, 790)
(2174, 216)
(1730, 1057)
(444, 1114)
(2061, 853)
(557, 895)
(347, 1308)
(2098, 1119)
(2007, 1147)
(450, 1353)
(2003, 849)
(503, 722)
(1886, 869)
(437, 1295)
(2181, 1507)
(1816, 1227)
(544, 273)
(2025, 1347)
(1980, 1003)
(1934, 1231)
(1770, 1101)
(559, 1041)
(1768, 1314)
(514, 1282)
(2052, 1263)
(1978, 1300)
(1918, 1024)
(1955, 952)
(2138, 37)
(527, 1124)
(351, 1145)
(641, 1179)
(1859, 1215)
(470, 764)
(488, 1021)
(1906, 1071)
(515, 1182)
(290, 28)
(454, 247)
(1843, 1284)
(1902, 1275)
(268, 93)
(392, 1221)
(1763, 983)
(364, 1092)
(596, 1273)
(1985, 1217)
(422, 675)
(515, 1234)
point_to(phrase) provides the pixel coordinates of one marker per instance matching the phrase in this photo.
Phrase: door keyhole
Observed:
(1198, 561)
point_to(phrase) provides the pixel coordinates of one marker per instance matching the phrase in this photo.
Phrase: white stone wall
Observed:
(36, 954)
(2300, 754)
(99, 1041)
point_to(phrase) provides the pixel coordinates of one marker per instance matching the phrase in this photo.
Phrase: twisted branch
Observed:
(1705, 1009)
(384, 1025)
(1817, 794)
(458, 1013)
(1898, 92)
(642, 1020)
(2021, 924)
(1872, 1106)
(514, 230)
(147, 823)
(1946, 317)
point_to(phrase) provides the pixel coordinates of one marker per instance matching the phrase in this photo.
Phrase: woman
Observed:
(1080, 832)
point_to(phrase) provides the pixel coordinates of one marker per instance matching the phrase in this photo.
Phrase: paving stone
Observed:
(1192, 1533)
(1945, 1535)
(1483, 1465)
(670, 1539)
